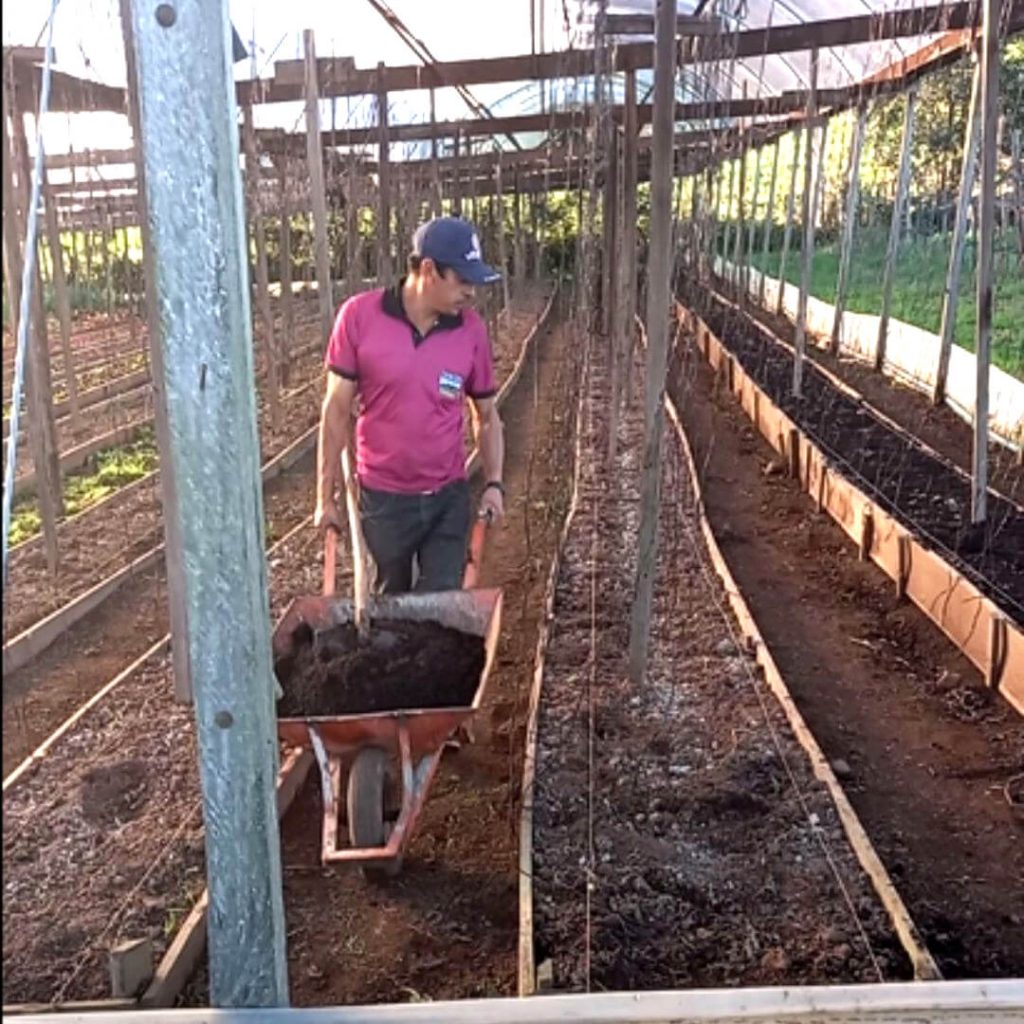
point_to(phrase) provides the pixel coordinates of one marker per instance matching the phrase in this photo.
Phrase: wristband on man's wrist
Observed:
(496, 485)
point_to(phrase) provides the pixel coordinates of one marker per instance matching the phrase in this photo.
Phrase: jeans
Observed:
(425, 531)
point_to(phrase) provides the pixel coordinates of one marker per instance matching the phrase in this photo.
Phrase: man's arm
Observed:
(490, 439)
(335, 433)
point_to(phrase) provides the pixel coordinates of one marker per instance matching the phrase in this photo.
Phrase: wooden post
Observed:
(175, 560)
(252, 174)
(610, 230)
(849, 225)
(436, 200)
(315, 157)
(60, 291)
(629, 228)
(807, 248)
(43, 438)
(617, 283)
(518, 242)
(951, 293)
(986, 254)
(384, 174)
(902, 188)
(40, 432)
(658, 297)
(769, 221)
(456, 179)
(188, 120)
(727, 243)
(499, 227)
(1017, 173)
(353, 249)
(802, 133)
(284, 250)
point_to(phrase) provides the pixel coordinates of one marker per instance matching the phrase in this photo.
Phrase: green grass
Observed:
(111, 469)
(918, 287)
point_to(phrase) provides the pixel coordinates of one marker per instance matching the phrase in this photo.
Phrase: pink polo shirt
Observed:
(409, 432)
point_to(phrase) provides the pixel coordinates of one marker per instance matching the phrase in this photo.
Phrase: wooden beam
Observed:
(339, 78)
(849, 225)
(895, 226)
(986, 256)
(314, 154)
(687, 25)
(658, 299)
(807, 248)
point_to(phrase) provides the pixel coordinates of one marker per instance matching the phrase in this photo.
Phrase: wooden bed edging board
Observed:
(915, 1002)
(527, 984)
(925, 968)
(985, 634)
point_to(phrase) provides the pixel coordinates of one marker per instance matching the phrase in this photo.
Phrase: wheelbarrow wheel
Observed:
(367, 795)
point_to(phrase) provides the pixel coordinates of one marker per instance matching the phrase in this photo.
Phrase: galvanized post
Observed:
(769, 219)
(807, 248)
(849, 225)
(658, 296)
(187, 115)
(986, 254)
(951, 294)
(787, 234)
(895, 227)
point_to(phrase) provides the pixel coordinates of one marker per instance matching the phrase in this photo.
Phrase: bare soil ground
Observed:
(680, 837)
(929, 757)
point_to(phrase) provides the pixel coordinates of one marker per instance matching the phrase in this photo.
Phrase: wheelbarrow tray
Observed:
(476, 612)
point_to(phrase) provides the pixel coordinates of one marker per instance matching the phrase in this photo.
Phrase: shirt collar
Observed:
(394, 307)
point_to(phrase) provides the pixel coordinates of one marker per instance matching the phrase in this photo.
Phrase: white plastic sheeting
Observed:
(912, 356)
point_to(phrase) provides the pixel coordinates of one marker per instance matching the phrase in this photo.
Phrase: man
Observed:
(411, 353)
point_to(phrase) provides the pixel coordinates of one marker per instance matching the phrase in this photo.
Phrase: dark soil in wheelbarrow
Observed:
(400, 665)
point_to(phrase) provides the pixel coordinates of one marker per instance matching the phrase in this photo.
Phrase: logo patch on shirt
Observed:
(449, 384)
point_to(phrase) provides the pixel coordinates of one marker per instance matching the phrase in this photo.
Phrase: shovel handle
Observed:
(476, 553)
(330, 560)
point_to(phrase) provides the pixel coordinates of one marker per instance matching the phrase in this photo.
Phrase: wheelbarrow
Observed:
(362, 748)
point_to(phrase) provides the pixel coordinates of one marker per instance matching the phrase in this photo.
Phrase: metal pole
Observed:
(895, 227)
(658, 296)
(951, 295)
(807, 248)
(769, 219)
(849, 225)
(188, 119)
(986, 253)
(787, 234)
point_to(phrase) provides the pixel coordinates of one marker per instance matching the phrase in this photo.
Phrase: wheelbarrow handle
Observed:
(476, 552)
(330, 560)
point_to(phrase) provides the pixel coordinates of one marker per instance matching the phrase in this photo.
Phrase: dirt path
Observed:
(448, 926)
(926, 752)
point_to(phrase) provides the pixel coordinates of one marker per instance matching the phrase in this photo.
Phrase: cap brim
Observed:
(477, 273)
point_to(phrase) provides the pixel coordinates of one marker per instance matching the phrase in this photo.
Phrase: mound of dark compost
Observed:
(404, 665)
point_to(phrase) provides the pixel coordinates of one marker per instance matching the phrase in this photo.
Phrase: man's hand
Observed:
(492, 504)
(326, 516)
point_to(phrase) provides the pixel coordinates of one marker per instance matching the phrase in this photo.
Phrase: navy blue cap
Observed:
(454, 243)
